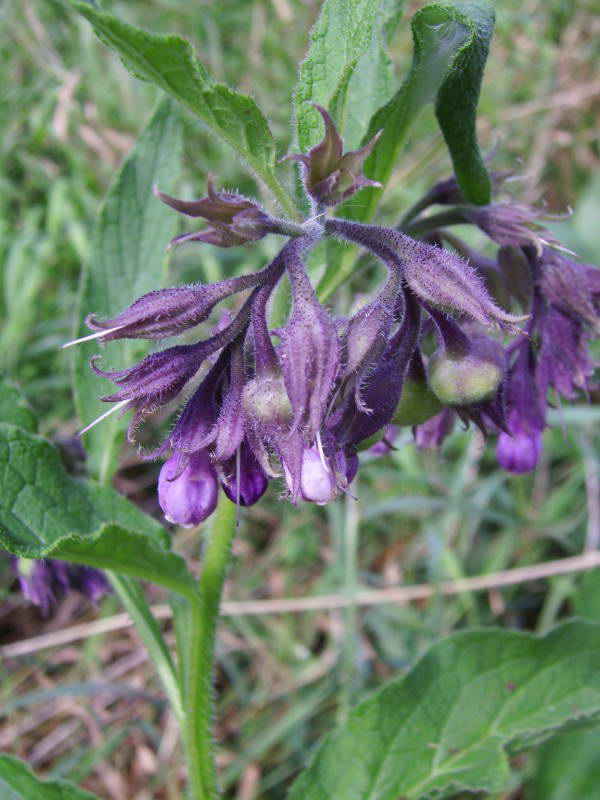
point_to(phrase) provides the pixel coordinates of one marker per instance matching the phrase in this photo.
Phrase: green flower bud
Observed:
(464, 377)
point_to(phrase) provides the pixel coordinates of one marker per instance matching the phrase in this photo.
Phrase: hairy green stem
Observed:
(282, 196)
(130, 594)
(198, 655)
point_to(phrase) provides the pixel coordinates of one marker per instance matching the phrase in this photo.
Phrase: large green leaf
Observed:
(170, 62)
(456, 102)
(22, 784)
(341, 35)
(450, 47)
(372, 83)
(127, 260)
(447, 726)
(45, 512)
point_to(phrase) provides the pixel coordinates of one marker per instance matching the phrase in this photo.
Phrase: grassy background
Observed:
(92, 711)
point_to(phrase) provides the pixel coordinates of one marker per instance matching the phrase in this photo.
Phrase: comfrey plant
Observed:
(252, 396)
(300, 402)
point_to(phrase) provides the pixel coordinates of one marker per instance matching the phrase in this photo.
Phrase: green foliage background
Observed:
(69, 112)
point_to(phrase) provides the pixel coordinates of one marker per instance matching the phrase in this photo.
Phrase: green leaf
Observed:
(372, 82)
(170, 62)
(17, 776)
(14, 408)
(567, 768)
(450, 46)
(46, 513)
(127, 260)
(447, 726)
(445, 38)
(341, 35)
(456, 102)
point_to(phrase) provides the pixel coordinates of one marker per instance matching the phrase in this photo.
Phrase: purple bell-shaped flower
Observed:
(188, 496)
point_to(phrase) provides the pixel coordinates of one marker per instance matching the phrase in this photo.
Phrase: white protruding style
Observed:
(92, 336)
(110, 411)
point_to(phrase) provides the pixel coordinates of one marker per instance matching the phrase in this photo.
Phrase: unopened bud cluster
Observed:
(434, 343)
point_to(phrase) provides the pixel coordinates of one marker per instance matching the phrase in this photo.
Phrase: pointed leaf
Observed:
(446, 727)
(450, 47)
(170, 62)
(46, 513)
(127, 260)
(341, 35)
(24, 785)
(456, 102)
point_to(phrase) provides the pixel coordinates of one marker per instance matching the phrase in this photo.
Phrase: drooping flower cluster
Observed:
(434, 343)
(43, 582)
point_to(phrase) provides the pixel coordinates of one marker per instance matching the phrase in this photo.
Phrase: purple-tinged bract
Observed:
(330, 175)
(234, 219)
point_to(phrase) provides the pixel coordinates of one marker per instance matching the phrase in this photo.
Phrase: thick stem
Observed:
(199, 657)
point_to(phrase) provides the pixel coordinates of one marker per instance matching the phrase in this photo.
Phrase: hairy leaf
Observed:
(450, 47)
(447, 726)
(456, 102)
(46, 513)
(170, 62)
(22, 784)
(127, 260)
(341, 35)
(372, 82)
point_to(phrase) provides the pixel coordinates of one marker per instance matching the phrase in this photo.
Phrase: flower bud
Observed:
(265, 401)
(330, 175)
(234, 219)
(510, 224)
(519, 452)
(466, 377)
(317, 481)
(44, 581)
(188, 488)
(252, 482)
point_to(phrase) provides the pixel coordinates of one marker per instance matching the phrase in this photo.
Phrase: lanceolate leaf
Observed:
(450, 48)
(372, 82)
(127, 260)
(341, 35)
(22, 784)
(447, 726)
(170, 62)
(45, 512)
(456, 103)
